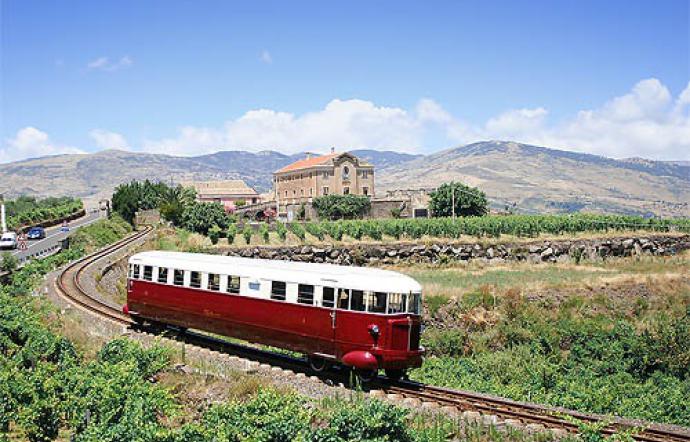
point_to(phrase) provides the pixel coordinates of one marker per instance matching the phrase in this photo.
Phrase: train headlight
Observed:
(374, 330)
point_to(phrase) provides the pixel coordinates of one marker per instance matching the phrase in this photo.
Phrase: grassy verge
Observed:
(611, 338)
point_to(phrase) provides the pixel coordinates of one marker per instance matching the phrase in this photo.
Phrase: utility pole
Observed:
(2, 213)
(452, 196)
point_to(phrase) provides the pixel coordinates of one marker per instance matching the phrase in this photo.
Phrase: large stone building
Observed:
(336, 173)
(226, 192)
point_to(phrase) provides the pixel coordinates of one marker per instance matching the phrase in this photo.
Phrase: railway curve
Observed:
(70, 287)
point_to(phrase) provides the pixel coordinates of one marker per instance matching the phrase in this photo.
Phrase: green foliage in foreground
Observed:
(633, 361)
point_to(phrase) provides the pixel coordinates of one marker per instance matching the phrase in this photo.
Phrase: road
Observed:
(54, 235)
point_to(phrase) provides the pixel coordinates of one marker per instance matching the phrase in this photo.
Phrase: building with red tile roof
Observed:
(335, 173)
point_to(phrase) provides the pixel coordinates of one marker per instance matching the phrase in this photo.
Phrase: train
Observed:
(365, 319)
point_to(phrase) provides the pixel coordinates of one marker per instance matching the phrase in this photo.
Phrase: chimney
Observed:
(308, 155)
(332, 149)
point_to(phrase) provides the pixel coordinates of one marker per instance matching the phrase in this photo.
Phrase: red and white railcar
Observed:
(364, 318)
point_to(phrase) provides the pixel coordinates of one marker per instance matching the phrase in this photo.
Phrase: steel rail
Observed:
(70, 285)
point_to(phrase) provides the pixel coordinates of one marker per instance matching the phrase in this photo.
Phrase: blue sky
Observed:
(190, 77)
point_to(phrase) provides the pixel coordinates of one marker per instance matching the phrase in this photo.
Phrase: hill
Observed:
(96, 175)
(541, 179)
(531, 177)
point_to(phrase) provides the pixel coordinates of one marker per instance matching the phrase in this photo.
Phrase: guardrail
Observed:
(41, 253)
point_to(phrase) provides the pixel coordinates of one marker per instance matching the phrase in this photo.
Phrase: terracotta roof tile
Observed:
(221, 187)
(308, 162)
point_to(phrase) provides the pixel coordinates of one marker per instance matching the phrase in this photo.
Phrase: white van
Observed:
(8, 240)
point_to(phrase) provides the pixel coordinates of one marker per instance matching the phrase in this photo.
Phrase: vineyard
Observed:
(484, 226)
(25, 211)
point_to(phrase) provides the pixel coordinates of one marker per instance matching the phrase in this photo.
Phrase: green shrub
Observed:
(281, 230)
(298, 230)
(341, 206)
(231, 233)
(263, 231)
(247, 233)
(9, 262)
(214, 234)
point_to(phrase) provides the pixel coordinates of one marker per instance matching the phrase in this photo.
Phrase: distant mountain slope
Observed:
(96, 175)
(542, 179)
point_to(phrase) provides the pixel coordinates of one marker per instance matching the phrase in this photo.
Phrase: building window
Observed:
(148, 273)
(214, 281)
(346, 190)
(178, 277)
(325, 174)
(195, 280)
(365, 174)
(301, 191)
(286, 193)
(365, 191)
(346, 173)
(325, 190)
(294, 192)
(328, 297)
(162, 275)
(278, 290)
(311, 191)
(305, 294)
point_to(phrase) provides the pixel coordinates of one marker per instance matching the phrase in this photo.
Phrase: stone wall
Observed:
(440, 252)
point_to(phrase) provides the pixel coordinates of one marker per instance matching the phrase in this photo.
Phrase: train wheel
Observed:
(395, 374)
(365, 376)
(318, 365)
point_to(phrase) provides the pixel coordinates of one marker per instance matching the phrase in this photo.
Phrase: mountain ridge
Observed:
(532, 177)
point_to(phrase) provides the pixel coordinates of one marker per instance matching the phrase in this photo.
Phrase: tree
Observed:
(341, 206)
(200, 217)
(9, 262)
(137, 195)
(469, 201)
(173, 200)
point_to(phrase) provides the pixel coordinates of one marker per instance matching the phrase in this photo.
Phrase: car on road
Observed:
(36, 233)
(65, 227)
(8, 240)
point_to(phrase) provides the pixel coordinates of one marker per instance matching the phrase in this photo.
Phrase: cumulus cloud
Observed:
(349, 124)
(106, 64)
(30, 142)
(266, 57)
(109, 140)
(647, 122)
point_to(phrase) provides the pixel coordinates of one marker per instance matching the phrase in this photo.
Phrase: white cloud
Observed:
(645, 122)
(105, 64)
(266, 57)
(109, 140)
(342, 123)
(30, 142)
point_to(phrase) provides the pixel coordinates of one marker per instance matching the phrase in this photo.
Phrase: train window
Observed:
(343, 299)
(163, 275)
(135, 272)
(234, 284)
(305, 294)
(278, 290)
(195, 280)
(397, 302)
(178, 277)
(148, 273)
(213, 281)
(377, 302)
(414, 305)
(357, 301)
(328, 297)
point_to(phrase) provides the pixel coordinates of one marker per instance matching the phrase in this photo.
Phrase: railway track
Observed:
(71, 287)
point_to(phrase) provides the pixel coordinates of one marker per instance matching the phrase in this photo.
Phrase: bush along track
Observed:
(592, 355)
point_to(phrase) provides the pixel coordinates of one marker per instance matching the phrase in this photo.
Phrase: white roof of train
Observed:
(357, 278)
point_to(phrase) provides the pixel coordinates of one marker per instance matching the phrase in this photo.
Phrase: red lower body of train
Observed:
(361, 340)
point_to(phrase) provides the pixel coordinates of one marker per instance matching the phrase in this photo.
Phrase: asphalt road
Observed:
(54, 235)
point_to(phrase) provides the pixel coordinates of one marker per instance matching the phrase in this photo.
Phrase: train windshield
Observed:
(415, 303)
